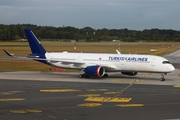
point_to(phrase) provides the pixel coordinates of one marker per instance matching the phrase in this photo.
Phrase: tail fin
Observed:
(34, 43)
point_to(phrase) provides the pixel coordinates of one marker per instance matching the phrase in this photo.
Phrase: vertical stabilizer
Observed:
(34, 43)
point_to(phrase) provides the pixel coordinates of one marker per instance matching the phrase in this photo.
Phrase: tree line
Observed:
(16, 32)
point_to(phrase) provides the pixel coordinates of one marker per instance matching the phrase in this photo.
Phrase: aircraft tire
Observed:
(80, 75)
(83, 76)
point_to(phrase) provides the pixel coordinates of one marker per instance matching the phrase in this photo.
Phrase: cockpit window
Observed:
(166, 62)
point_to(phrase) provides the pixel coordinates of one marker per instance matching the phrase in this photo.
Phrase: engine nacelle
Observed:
(129, 73)
(95, 71)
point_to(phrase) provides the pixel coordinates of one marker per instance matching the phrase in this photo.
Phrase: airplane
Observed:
(97, 64)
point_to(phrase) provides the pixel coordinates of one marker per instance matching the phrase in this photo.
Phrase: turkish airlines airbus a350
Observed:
(98, 64)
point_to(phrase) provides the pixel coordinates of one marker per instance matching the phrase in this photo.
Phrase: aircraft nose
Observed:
(171, 68)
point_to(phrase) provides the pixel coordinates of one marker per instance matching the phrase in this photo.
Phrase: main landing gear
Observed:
(83, 76)
(162, 78)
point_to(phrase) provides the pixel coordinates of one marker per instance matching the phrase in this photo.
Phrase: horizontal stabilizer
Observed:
(32, 56)
(9, 54)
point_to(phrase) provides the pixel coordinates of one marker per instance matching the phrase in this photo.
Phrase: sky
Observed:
(97, 14)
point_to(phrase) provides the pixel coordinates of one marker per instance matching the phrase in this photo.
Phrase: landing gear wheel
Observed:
(83, 76)
(80, 75)
(162, 79)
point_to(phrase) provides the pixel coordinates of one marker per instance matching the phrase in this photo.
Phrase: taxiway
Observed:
(64, 96)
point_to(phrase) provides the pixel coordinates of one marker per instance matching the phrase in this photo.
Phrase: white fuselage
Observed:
(111, 62)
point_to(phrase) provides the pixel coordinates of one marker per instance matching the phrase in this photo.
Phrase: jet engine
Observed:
(129, 73)
(95, 71)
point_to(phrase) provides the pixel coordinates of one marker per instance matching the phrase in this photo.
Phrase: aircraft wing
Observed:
(106, 66)
(80, 63)
(19, 57)
(34, 57)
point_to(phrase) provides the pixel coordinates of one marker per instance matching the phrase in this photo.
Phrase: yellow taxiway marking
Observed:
(121, 91)
(116, 80)
(137, 80)
(60, 90)
(176, 86)
(34, 111)
(130, 105)
(146, 75)
(11, 99)
(11, 92)
(107, 99)
(89, 95)
(102, 89)
(18, 111)
(111, 92)
(89, 104)
(25, 111)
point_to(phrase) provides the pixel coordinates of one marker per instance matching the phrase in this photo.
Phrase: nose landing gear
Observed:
(162, 78)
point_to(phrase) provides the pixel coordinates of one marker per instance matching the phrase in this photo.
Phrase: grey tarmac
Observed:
(64, 96)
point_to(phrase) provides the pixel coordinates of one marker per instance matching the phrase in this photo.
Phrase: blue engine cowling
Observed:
(95, 71)
(129, 73)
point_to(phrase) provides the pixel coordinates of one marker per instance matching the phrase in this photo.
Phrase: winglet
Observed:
(9, 54)
(118, 52)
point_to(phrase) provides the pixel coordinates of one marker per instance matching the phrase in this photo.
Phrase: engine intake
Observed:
(129, 73)
(95, 71)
